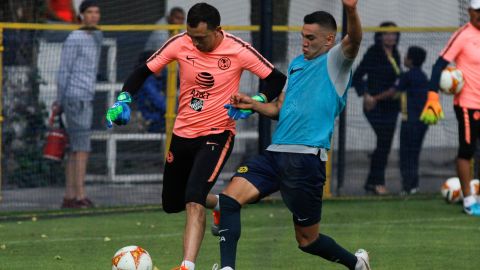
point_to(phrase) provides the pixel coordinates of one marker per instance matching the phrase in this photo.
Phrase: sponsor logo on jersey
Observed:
(199, 94)
(196, 104)
(205, 80)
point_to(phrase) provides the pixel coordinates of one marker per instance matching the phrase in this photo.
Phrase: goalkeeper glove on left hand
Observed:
(235, 113)
(432, 112)
(119, 113)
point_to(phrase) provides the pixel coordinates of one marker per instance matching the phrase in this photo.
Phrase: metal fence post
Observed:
(1, 110)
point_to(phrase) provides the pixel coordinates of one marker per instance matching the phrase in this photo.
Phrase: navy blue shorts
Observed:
(299, 178)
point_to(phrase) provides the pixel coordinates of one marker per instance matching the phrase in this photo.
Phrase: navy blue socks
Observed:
(328, 249)
(230, 229)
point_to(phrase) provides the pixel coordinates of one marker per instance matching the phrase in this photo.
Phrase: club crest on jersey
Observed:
(476, 115)
(224, 63)
(196, 104)
(242, 169)
(170, 157)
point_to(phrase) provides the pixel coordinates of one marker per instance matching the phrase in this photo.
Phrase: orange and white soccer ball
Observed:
(475, 187)
(451, 80)
(131, 258)
(452, 190)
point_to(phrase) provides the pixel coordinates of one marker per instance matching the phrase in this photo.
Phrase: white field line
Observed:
(416, 223)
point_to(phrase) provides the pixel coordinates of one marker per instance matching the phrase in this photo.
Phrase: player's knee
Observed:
(318, 246)
(241, 190)
(306, 247)
(195, 209)
(195, 199)
(305, 238)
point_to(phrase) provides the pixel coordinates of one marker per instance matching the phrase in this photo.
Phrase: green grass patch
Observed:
(399, 234)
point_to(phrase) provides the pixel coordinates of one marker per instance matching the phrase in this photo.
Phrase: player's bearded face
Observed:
(315, 40)
(204, 39)
(474, 17)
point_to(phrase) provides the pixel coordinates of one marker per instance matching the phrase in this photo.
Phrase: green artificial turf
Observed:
(399, 234)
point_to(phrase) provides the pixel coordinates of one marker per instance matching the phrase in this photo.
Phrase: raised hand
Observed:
(350, 3)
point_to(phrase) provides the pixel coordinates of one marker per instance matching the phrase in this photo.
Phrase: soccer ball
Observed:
(475, 187)
(131, 258)
(452, 190)
(451, 80)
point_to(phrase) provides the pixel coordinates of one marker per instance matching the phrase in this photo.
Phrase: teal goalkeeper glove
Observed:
(236, 114)
(119, 113)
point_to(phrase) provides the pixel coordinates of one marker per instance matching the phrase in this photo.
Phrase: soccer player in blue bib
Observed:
(316, 93)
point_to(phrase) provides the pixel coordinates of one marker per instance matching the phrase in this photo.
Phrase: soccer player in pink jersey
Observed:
(463, 48)
(211, 62)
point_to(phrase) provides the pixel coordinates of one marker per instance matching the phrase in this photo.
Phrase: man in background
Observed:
(75, 91)
(157, 38)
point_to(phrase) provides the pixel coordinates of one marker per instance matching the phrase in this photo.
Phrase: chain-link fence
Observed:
(125, 165)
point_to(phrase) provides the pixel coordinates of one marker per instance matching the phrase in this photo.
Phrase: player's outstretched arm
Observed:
(274, 85)
(351, 42)
(119, 113)
(245, 102)
(275, 82)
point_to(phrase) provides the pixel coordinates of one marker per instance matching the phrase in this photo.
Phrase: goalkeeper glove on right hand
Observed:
(235, 113)
(432, 112)
(119, 113)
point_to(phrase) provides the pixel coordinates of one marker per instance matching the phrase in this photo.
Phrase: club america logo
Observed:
(224, 63)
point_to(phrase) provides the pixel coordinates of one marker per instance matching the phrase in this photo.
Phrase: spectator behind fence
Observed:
(381, 66)
(463, 49)
(157, 38)
(413, 85)
(211, 62)
(151, 98)
(75, 92)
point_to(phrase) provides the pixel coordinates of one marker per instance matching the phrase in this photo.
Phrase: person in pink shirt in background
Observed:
(211, 62)
(463, 49)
